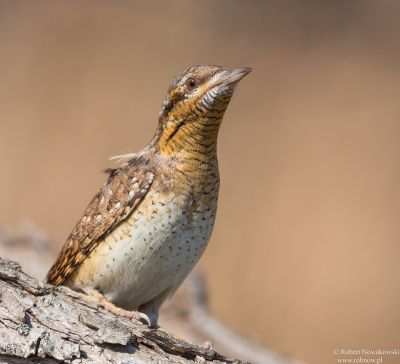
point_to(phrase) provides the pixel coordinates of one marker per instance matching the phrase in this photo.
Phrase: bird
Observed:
(149, 224)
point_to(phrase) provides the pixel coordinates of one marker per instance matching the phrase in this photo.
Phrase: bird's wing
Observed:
(118, 198)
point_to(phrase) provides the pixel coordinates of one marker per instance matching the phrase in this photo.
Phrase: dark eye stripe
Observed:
(179, 96)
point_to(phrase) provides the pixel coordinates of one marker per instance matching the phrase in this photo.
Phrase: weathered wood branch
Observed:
(49, 324)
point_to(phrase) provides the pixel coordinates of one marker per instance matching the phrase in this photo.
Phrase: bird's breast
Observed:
(151, 251)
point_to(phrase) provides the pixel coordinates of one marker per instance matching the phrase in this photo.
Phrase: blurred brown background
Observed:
(304, 257)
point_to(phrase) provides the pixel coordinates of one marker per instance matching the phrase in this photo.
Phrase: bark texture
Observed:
(49, 324)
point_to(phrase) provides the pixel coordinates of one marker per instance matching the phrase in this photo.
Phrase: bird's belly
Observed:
(150, 253)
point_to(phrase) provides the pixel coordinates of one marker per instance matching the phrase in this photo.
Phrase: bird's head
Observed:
(194, 106)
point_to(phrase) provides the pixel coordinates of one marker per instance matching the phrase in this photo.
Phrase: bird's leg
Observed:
(94, 296)
(151, 308)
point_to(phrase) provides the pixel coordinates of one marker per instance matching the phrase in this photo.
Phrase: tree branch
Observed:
(53, 324)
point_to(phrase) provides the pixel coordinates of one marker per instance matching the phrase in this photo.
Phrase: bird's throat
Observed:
(197, 139)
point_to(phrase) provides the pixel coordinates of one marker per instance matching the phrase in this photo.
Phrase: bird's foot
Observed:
(97, 298)
(118, 311)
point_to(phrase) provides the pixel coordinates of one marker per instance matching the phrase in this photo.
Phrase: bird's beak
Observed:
(232, 77)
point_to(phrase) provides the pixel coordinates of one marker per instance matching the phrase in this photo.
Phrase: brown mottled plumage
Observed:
(102, 215)
(149, 224)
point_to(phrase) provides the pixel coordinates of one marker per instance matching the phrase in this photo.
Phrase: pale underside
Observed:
(145, 259)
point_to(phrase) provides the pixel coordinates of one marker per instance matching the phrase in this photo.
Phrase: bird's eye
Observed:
(191, 83)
